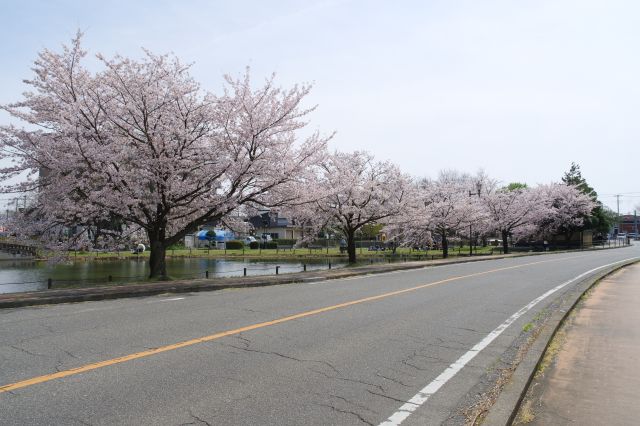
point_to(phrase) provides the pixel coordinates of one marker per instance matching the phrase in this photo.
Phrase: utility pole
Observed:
(618, 203)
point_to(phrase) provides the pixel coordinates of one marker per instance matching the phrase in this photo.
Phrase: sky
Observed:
(520, 89)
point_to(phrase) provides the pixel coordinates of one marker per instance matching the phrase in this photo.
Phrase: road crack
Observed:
(353, 413)
(346, 379)
(302, 360)
(398, 381)
(198, 419)
(355, 404)
(386, 396)
(17, 348)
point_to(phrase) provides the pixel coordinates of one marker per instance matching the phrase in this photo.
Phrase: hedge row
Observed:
(285, 242)
(235, 245)
(239, 245)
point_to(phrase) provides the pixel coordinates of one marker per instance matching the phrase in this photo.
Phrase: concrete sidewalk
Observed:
(594, 378)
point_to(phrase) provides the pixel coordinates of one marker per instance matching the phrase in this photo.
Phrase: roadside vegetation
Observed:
(289, 253)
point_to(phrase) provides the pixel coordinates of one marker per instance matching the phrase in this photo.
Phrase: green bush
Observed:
(235, 245)
(285, 242)
(254, 245)
(271, 245)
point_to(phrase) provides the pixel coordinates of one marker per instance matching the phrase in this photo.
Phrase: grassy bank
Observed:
(293, 254)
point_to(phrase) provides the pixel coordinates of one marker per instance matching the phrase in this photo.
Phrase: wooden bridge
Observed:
(16, 248)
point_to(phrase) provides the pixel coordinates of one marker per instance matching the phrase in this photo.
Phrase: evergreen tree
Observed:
(598, 221)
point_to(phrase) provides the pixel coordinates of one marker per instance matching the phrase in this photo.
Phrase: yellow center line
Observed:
(191, 342)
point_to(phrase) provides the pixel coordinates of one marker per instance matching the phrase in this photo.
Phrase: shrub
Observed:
(254, 245)
(286, 242)
(271, 245)
(235, 245)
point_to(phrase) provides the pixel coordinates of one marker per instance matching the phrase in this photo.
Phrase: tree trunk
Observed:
(157, 261)
(505, 241)
(351, 245)
(445, 245)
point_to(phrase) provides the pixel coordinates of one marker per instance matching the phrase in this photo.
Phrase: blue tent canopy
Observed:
(221, 235)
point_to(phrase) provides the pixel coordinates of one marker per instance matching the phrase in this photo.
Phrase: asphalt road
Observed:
(338, 352)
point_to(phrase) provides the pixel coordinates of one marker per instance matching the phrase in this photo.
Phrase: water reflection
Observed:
(21, 276)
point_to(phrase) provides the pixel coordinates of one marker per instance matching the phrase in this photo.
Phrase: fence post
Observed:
(277, 269)
(110, 278)
(304, 267)
(206, 274)
(329, 265)
(49, 283)
(245, 272)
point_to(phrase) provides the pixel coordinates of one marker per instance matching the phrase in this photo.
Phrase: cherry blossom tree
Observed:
(140, 141)
(450, 205)
(565, 208)
(513, 208)
(442, 208)
(352, 190)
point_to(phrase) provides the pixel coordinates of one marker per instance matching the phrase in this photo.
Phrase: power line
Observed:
(621, 195)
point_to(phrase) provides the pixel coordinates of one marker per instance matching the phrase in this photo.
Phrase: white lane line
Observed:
(171, 299)
(423, 395)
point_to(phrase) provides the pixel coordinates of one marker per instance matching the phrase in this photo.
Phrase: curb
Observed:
(56, 296)
(504, 410)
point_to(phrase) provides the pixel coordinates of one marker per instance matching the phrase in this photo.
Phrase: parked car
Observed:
(248, 240)
(266, 237)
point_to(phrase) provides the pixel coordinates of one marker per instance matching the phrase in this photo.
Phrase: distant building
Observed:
(628, 223)
(278, 227)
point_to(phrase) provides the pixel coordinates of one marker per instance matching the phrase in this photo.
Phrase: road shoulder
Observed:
(590, 374)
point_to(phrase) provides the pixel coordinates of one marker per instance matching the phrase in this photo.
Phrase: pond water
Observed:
(24, 275)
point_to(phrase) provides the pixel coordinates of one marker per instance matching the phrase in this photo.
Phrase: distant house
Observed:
(628, 223)
(278, 227)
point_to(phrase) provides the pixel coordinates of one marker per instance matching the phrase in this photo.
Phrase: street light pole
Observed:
(470, 233)
(326, 238)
